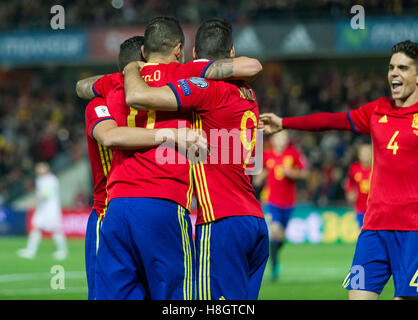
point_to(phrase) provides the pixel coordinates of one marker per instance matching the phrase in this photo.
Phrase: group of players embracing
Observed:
(151, 145)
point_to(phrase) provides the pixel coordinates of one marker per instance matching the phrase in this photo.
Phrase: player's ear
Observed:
(143, 53)
(178, 51)
(194, 53)
(232, 52)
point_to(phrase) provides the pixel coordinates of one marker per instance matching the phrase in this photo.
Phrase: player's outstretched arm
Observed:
(143, 97)
(84, 87)
(271, 123)
(111, 136)
(240, 68)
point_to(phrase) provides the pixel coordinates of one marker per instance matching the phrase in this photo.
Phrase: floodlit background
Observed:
(313, 61)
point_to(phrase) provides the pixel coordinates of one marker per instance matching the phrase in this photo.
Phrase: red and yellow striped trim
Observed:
(202, 190)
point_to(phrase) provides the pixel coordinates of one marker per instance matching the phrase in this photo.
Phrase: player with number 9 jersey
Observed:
(231, 233)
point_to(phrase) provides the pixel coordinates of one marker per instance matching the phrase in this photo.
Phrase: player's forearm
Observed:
(136, 138)
(240, 68)
(319, 122)
(84, 87)
(143, 97)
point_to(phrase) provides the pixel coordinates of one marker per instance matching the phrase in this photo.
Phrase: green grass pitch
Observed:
(308, 271)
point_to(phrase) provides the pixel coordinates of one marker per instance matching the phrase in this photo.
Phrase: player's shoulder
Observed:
(97, 101)
(380, 104)
(113, 77)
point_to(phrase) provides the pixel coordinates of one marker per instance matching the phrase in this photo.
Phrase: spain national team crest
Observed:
(415, 121)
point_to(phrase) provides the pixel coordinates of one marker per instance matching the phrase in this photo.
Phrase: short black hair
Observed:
(214, 39)
(162, 34)
(408, 48)
(130, 50)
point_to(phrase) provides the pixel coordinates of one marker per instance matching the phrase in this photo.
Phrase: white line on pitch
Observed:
(15, 277)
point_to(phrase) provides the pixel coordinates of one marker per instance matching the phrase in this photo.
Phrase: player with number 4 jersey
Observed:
(388, 242)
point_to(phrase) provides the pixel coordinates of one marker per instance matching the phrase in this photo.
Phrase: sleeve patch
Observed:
(199, 82)
(185, 87)
(102, 111)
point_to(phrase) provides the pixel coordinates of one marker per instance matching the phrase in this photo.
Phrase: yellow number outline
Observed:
(248, 145)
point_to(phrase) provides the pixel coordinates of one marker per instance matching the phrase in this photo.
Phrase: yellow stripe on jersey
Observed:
(131, 117)
(206, 190)
(200, 195)
(200, 178)
(102, 158)
(189, 194)
(151, 117)
(346, 280)
(107, 157)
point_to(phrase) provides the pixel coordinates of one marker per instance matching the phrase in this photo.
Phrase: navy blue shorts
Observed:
(145, 251)
(231, 255)
(279, 214)
(380, 254)
(90, 252)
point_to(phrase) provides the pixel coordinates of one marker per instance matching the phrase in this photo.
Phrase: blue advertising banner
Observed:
(12, 222)
(378, 36)
(42, 46)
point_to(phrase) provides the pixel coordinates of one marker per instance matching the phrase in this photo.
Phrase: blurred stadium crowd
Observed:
(35, 13)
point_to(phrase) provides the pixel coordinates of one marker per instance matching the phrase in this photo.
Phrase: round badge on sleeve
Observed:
(199, 82)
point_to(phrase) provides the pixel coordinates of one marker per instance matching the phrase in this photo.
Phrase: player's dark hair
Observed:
(130, 50)
(162, 34)
(214, 39)
(408, 48)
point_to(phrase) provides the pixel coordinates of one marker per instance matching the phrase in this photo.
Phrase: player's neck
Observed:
(157, 58)
(410, 101)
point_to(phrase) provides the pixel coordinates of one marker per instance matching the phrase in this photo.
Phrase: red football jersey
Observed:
(359, 180)
(100, 156)
(228, 115)
(393, 197)
(148, 172)
(279, 189)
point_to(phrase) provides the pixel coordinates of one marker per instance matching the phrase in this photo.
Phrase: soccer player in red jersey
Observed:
(387, 244)
(231, 233)
(103, 135)
(357, 185)
(283, 165)
(147, 197)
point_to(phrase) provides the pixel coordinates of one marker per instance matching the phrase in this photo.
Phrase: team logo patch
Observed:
(199, 82)
(415, 121)
(102, 111)
(184, 87)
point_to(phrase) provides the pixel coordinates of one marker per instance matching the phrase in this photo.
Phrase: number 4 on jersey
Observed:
(393, 145)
